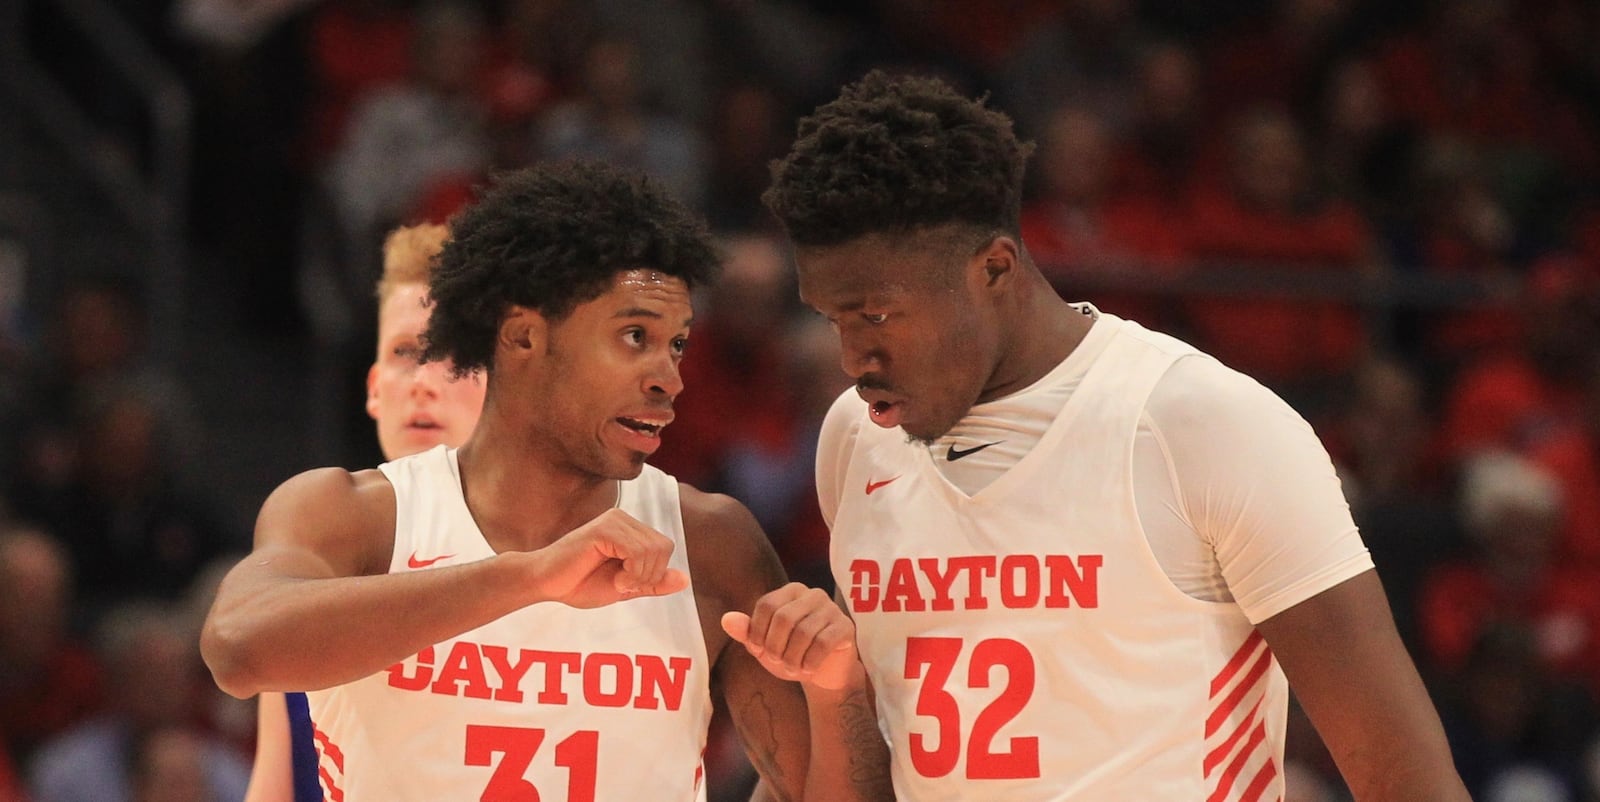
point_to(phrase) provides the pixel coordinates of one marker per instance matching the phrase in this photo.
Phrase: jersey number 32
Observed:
(933, 660)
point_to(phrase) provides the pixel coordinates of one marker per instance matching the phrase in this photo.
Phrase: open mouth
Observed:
(887, 413)
(642, 427)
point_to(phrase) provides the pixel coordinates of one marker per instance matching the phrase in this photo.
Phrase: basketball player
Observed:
(536, 615)
(1076, 551)
(416, 406)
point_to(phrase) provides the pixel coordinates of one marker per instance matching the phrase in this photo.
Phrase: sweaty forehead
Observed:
(646, 282)
(644, 278)
(641, 289)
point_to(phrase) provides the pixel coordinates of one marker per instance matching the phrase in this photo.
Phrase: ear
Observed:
(995, 263)
(522, 333)
(372, 391)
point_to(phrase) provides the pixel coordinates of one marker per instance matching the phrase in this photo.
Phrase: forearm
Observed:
(308, 634)
(1420, 781)
(1403, 756)
(849, 758)
(272, 775)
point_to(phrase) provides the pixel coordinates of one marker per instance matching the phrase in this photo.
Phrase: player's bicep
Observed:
(1350, 671)
(728, 551)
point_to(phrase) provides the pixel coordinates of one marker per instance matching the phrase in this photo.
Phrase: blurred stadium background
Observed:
(1388, 212)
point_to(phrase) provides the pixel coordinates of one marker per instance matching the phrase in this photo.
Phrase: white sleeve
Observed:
(1257, 486)
(834, 444)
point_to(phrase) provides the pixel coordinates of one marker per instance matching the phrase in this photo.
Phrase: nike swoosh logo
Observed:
(871, 485)
(413, 562)
(956, 453)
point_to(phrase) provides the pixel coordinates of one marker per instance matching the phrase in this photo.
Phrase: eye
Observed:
(411, 353)
(875, 319)
(680, 345)
(634, 336)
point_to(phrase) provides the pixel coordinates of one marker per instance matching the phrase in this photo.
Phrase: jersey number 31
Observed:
(576, 753)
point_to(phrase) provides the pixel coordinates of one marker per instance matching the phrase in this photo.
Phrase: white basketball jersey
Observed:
(1025, 644)
(549, 703)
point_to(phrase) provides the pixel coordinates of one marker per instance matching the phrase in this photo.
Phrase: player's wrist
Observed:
(838, 682)
(526, 575)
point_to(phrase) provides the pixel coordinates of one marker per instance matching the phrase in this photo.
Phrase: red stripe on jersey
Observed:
(332, 752)
(1220, 713)
(1215, 756)
(335, 794)
(330, 749)
(1259, 784)
(1225, 782)
(1220, 681)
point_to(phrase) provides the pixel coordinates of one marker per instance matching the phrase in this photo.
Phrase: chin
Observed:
(628, 466)
(632, 469)
(926, 433)
(417, 442)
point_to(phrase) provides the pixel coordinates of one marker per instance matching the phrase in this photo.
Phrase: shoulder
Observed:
(715, 513)
(1129, 331)
(1221, 430)
(726, 547)
(333, 487)
(346, 517)
(1199, 390)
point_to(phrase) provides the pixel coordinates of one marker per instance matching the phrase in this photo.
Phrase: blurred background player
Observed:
(416, 406)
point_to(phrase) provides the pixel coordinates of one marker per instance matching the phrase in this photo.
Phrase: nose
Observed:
(429, 377)
(855, 357)
(665, 378)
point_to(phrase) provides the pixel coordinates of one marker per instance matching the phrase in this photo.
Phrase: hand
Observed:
(609, 559)
(799, 634)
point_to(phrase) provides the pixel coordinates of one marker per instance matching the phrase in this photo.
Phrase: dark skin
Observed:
(930, 326)
(560, 428)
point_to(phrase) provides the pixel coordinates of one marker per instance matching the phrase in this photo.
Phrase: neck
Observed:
(1044, 330)
(519, 496)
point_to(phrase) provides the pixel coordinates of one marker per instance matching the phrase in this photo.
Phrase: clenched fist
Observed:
(609, 559)
(799, 634)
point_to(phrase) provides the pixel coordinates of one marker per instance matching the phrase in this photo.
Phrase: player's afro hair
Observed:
(895, 155)
(549, 238)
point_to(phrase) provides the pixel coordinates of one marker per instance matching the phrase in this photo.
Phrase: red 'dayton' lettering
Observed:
(1014, 581)
(599, 679)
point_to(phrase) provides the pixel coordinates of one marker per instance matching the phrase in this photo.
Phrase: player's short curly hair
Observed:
(898, 154)
(549, 238)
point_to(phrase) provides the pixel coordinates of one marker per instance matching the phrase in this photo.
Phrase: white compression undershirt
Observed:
(1236, 495)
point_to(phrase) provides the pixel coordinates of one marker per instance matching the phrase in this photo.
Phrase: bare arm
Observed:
(272, 776)
(317, 575)
(1352, 674)
(797, 695)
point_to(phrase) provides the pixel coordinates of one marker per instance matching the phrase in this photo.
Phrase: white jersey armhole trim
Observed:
(1173, 482)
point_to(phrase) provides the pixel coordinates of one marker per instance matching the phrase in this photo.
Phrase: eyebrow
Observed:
(639, 311)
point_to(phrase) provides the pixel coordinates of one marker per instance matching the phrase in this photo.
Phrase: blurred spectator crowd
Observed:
(1390, 213)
